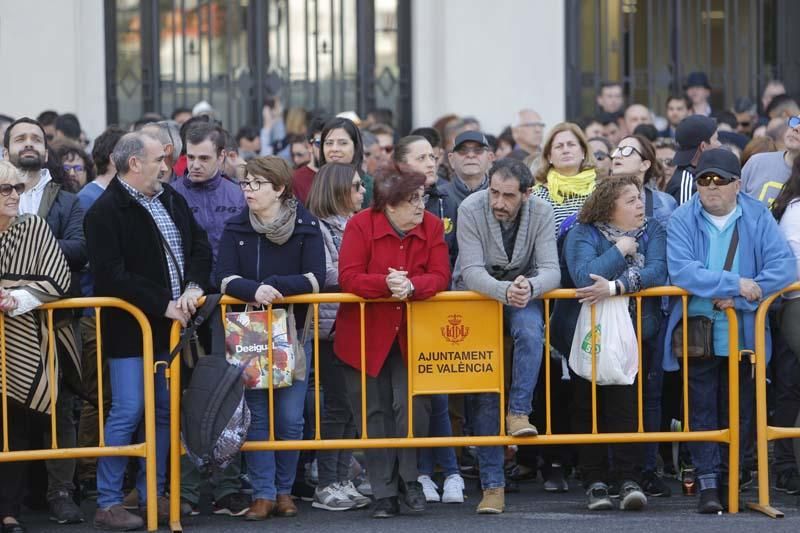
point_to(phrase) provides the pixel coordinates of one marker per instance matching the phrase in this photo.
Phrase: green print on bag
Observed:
(586, 345)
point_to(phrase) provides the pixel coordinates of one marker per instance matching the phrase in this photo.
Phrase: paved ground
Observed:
(530, 510)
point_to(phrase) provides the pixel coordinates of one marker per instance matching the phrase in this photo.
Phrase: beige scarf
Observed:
(281, 227)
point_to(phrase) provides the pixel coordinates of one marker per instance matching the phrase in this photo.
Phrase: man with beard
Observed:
(25, 146)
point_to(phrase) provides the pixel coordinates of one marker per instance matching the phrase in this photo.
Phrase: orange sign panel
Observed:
(456, 347)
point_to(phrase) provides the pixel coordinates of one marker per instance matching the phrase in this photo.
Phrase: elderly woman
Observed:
(337, 193)
(614, 250)
(415, 154)
(33, 271)
(394, 250)
(566, 174)
(272, 249)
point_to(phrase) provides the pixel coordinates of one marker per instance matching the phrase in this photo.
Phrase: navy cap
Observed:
(719, 161)
(692, 131)
(474, 136)
(697, 79)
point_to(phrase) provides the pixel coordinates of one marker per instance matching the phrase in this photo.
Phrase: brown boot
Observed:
(260, 510)
(285, 506)
(117, 518)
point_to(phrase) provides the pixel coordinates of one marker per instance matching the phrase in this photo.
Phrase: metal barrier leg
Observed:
(174, 384)
(150, 438)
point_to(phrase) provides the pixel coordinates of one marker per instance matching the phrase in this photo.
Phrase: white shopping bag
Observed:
(616, 349)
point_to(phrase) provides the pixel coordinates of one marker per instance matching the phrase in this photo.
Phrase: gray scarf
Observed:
(635, 262)
(281, 228)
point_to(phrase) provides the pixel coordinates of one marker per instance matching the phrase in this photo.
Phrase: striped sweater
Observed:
(31, 260)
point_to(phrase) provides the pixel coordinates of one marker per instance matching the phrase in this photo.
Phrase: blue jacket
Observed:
(764, 256)
(212, 202)
(586, 252)
(245, 253)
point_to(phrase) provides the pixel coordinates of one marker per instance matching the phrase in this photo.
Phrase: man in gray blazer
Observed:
(507, 251)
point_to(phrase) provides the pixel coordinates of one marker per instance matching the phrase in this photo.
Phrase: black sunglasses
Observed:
(708, 179)
(6, 188)
(600, 155)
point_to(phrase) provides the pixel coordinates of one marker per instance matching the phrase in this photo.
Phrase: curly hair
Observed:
(599, 207)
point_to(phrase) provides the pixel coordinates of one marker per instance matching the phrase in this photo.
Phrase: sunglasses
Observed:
(625, 151)
(744, 124)
(6, 188)
(708, 179)
(358, 185)
(600, 155)
(794, 121)
(666, 162)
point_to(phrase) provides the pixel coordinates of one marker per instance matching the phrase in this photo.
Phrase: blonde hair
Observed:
(545, 166)
(8, 172)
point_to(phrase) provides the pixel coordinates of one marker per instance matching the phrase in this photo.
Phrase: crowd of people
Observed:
(164, 211)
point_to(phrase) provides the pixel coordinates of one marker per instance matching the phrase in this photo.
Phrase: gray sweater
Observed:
(482, 264)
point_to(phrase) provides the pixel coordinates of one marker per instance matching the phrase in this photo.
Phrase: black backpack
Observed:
(214, 414)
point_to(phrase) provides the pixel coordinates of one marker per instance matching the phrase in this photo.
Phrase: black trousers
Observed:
(617, 412)
(13, 474)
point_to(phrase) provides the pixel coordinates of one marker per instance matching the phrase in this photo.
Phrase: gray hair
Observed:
(368, 139)
(168, 132)
(130, 145)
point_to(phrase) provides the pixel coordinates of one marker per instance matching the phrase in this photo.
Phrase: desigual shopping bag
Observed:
(616, 349)
(246, 345)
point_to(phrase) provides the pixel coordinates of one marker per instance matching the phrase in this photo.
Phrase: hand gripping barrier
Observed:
(444, 316)
(147, 449)
(765, 432)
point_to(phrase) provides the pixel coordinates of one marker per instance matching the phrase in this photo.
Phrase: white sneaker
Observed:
(350, 490)
(331, 498)
(453, 489)
(429, 488)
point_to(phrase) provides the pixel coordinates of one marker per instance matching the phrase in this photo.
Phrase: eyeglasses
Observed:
(6, 188)
(625, 151)
(531, 125)
(708, 179)
(419, 200)
(600, 155)
(466, 150)
(316, 142)
(744, 123)
(358, 185)
(76, 168)
(666, 162)
(794, 121)
(253, 185)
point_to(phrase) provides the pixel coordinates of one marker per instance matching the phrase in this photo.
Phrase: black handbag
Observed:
(700, 329)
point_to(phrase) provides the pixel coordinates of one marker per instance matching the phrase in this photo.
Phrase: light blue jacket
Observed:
(763, 255)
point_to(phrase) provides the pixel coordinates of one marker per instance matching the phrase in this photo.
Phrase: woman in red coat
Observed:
(394, 250)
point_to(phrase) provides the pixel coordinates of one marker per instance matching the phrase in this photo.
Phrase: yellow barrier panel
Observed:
(765, 432)
(147, 449)
(433, 316)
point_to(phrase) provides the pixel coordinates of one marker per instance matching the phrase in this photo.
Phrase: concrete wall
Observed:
(488, 59)
(52, 56)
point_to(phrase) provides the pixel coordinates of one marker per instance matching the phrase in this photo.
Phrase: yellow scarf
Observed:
(581, 184)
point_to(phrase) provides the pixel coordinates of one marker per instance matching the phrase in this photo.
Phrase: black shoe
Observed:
(64, 510)
(709, 502)
(413, 496)
(386, 508)
(788, 481)
(555, 481)
(235, 504)
(631, 497)
(14, 528)
(88, 489)
(302, 490)
(654, 486)
(598, 499)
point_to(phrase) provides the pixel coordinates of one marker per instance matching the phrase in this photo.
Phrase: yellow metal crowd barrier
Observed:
(765, 432)
(147, 449)
(451, 307)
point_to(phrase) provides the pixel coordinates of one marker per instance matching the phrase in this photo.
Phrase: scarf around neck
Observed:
(581, 184)
(281, 227)
(635, 262)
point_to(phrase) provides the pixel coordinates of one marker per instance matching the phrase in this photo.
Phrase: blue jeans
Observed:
(486, 421)
(652, 387)
(526, 328)
(708, 410)
(439, 426)
(273, 473)
(125, 422)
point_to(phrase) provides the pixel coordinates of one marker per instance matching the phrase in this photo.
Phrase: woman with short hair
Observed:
(394, 250)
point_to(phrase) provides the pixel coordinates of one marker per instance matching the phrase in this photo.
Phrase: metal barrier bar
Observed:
(728, 436)
(146, 449)
(765, 432)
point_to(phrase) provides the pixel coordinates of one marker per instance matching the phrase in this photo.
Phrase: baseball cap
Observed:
(719, 161)
(474, 136)
(692, 131)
